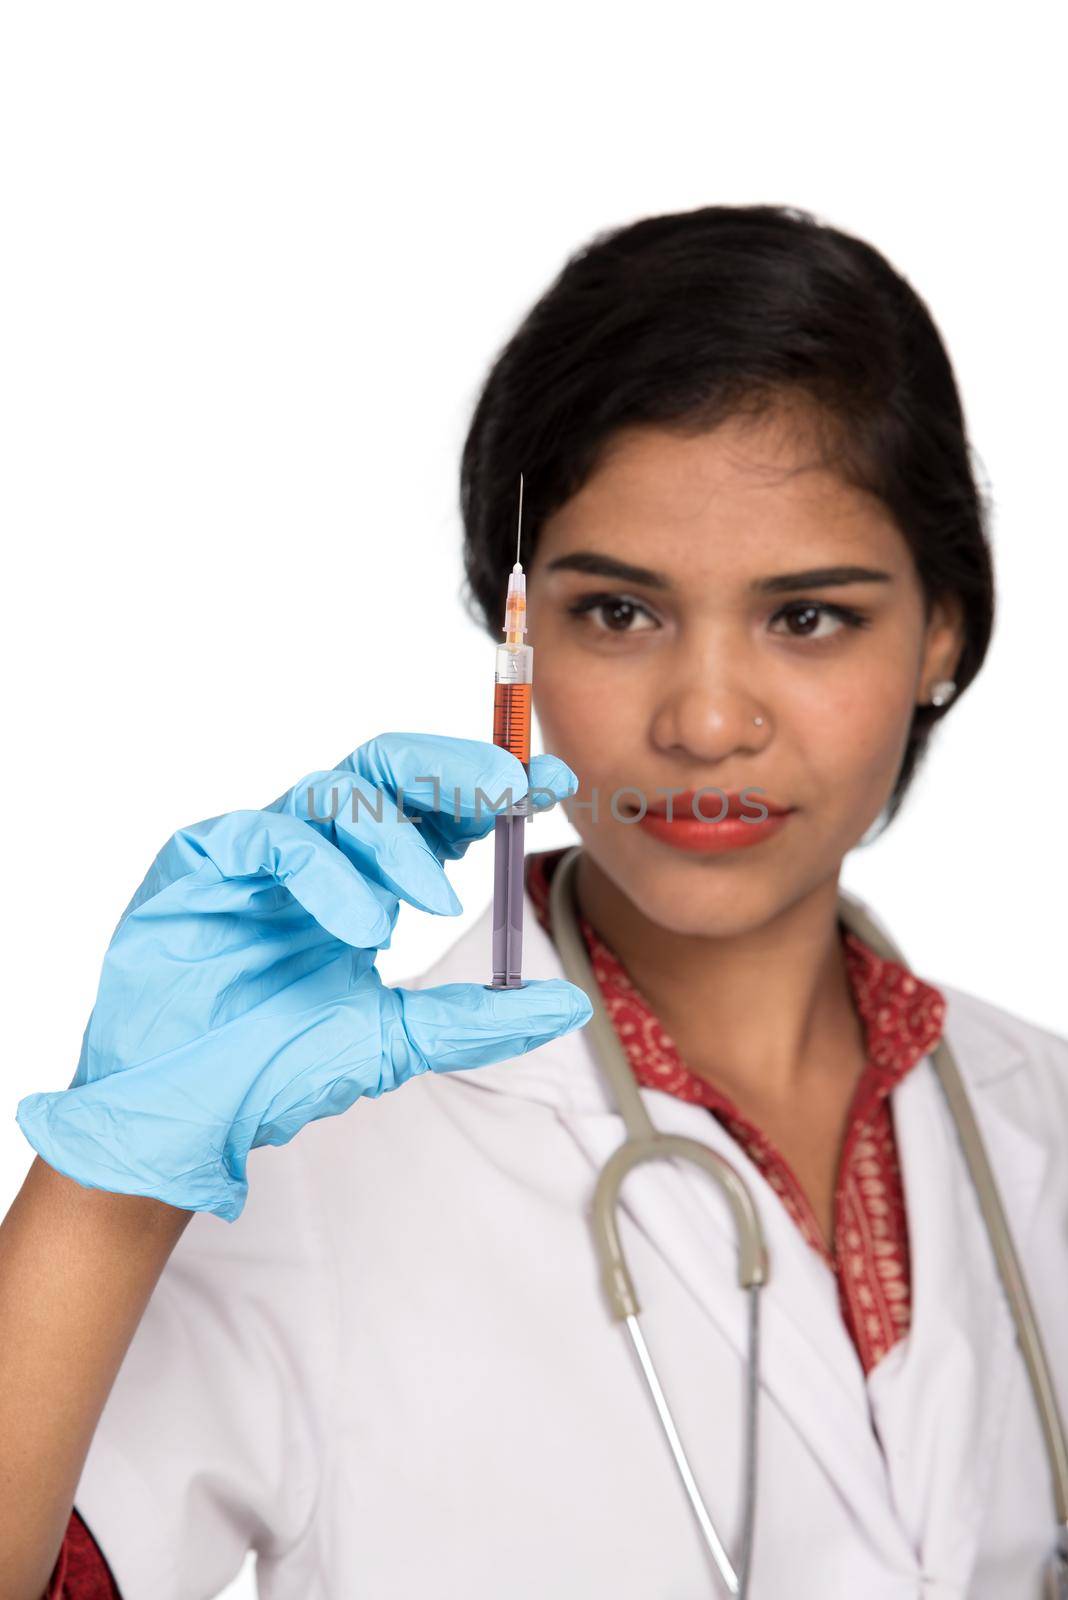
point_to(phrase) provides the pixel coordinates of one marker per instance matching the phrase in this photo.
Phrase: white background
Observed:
(257, 259)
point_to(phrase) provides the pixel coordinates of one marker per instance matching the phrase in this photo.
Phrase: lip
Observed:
(687, 831)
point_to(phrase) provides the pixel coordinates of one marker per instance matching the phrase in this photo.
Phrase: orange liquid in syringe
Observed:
(511, 718)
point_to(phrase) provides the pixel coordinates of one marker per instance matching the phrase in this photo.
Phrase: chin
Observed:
(708, 915)
(693, 895)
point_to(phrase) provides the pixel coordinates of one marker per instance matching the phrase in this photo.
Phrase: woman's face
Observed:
(651, 680)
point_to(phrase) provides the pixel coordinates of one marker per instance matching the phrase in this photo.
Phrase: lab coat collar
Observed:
(940, 1395)
(564, 1073)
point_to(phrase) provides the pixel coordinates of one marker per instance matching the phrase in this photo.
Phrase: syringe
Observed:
(513, 680)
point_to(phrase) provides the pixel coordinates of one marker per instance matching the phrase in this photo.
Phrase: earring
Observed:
(759, 721)
(942, 692)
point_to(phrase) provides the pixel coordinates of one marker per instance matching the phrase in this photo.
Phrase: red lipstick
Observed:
(714, 820)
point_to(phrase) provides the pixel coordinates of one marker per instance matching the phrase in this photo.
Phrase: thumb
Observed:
(460, 1025)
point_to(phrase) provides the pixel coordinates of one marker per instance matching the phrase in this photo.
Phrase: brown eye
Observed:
(613, 613)
(618, 615)
(805, 621)
(805, 617)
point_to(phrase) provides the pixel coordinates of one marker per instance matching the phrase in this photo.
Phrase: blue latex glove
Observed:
(239, 997)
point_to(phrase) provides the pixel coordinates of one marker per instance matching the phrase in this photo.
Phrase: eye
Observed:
(808, 615)
(614, 613)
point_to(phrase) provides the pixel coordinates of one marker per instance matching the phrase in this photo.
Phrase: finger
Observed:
(455, 1026)
(459, 785)
(375, 835)
(376, 1038)
(314, 871)
(386, 845)
(551, 780)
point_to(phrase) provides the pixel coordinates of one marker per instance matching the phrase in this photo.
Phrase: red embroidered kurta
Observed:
(80, 1572)
(902, 1019)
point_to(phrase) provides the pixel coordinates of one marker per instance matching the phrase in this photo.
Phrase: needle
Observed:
(519, 534)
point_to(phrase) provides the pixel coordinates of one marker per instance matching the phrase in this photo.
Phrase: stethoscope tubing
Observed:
(644, 1143)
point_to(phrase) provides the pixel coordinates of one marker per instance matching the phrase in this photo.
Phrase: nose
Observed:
(709, 721)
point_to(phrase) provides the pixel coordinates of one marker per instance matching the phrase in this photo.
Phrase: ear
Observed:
(943, 644)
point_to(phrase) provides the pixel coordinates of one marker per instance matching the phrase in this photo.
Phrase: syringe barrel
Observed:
(511, 730)
(512, 699)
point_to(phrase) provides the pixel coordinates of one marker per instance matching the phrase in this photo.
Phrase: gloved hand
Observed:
(239, 997)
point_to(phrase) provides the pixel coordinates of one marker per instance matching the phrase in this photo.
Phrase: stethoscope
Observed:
(644, 1144)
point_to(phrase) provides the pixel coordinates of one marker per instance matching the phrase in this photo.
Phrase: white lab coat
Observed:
(395, 1376)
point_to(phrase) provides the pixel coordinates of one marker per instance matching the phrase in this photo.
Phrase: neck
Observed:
(713, 994)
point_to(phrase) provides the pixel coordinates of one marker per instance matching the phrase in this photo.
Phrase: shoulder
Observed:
(990, 1041)
(982, 1019)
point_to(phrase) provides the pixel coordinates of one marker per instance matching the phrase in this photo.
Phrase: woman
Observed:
(756, 565)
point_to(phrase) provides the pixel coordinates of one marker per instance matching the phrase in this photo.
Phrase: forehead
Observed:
(749, 494)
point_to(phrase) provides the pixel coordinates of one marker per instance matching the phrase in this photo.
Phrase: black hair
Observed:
(688, 319)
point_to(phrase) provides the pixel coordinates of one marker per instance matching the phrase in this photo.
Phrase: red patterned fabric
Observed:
(902, 1019)
(80, 1572)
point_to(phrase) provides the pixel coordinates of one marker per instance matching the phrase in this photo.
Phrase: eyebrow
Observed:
(594, 564)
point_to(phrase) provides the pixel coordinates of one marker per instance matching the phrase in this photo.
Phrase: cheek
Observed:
(853, 734)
